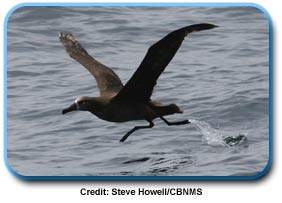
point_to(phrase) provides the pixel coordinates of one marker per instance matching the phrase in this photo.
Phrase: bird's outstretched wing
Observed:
(141, 84)
(108, 82)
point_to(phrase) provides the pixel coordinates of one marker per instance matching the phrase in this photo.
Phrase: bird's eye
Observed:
(82, 103)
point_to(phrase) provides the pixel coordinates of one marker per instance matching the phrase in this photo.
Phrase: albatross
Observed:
(132, 101)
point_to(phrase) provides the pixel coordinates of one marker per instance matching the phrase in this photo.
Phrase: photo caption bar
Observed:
(172, 191)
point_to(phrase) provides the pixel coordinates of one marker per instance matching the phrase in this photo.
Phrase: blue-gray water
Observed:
(219, 77)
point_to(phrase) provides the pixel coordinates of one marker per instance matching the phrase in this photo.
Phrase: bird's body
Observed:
(122, 111)
(128, 111)
(122, 103)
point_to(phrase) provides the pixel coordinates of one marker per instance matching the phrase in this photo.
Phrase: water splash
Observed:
(215, 137)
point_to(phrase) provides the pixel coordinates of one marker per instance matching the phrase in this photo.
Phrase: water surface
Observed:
(219, 77)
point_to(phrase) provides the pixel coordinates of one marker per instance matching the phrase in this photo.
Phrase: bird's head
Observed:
(81, 104)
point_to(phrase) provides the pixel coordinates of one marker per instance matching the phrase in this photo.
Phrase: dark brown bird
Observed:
(119, 103)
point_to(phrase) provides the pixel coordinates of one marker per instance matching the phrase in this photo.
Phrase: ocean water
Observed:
(219, 77)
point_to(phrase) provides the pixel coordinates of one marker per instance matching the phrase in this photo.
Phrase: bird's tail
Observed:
(168, 110)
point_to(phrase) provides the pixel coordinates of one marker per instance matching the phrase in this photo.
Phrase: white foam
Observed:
(215, 137)
(212, 136)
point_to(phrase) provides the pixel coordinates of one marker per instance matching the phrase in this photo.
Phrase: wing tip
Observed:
(66, 37)
(70, 43)
(202, 26)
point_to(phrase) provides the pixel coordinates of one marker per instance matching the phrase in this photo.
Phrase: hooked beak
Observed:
(69, 109)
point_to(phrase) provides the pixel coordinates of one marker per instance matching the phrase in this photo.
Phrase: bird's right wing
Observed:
(141, 84)
(108, 82)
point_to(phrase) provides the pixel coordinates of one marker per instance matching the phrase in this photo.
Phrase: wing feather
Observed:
(141, 84)
(108, 81)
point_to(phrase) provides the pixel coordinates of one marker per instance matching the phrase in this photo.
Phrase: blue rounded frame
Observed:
(139, 178)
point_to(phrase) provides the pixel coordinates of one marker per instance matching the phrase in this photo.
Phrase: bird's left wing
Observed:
(141, 84)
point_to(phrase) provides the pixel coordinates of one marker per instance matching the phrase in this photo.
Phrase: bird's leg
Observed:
(175, 123)
(136, 128)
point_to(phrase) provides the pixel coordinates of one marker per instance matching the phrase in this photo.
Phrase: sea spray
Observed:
(215, 137)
